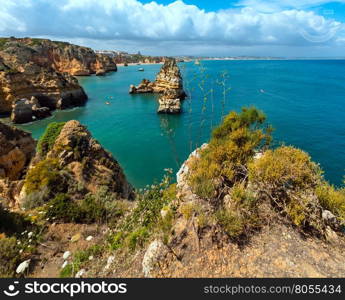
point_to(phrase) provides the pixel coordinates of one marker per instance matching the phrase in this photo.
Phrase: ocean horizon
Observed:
(303, 101)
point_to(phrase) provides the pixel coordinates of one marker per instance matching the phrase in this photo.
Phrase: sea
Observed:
(304, 100)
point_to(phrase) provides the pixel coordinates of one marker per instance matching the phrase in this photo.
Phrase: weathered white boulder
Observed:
(153, 254)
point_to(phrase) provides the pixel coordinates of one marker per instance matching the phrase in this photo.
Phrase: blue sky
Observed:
(190, 27)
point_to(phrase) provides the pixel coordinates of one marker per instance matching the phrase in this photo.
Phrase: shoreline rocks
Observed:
(25, 110)
(169, 84)
(145, 86)
(100, 72)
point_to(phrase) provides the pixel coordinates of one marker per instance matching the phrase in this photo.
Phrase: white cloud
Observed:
(130, 20)
(7, 20)
(275, 5)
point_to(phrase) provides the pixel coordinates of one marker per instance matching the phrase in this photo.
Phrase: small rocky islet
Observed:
(168, 84)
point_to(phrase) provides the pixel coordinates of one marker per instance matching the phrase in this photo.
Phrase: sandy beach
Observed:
(139, 64)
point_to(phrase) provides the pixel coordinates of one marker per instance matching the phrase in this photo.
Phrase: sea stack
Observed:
(168, 83)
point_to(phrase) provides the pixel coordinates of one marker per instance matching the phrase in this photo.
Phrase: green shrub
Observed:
(145, 218)
(79, 259)
(47, 140)
(332, 199)
(165, 224)
(67, 271)
(231, 222)
(3, 42)
(93, 210)
(62, 208)
(116, 240)
(44, 174)
(289, 178)
(239, 214)
(232, 145)
(12, 223)
(9, 256)
(137, 238)
(285, 168)
(150, 204)
(35, 199)
(88, 210)
(188, 209)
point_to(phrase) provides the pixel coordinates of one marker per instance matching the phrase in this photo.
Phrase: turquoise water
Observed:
(304, 101)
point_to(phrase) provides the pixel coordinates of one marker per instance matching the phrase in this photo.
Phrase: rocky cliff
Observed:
(74, 164)
(87, 161)
(199, 248)
(168, 83)
(16, 151)
(238, 209)
(68, 160)
(66, 185)
(44, 69)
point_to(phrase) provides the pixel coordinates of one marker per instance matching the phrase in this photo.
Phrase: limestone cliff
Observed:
(60, 56)
(75, 164)
(199, 248)
(87, 160)
(16, 151)
(44, 69)
(168, 83)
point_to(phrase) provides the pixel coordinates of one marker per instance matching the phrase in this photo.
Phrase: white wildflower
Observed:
(23, 266)
(109, 262)
(66, 255)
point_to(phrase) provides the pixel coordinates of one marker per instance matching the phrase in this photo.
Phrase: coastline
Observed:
(138, 64)
(270, 59)
(96, 109)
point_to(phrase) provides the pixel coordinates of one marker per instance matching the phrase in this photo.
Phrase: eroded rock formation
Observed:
(16, 151)
(25, 110)
(87, 160)
(78, 165)
(277, 250)
(169, 102)
(168, 83)
(45, 69)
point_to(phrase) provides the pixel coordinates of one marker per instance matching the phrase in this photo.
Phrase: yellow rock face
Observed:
(17, 149)
(13, 163)
(45, 69)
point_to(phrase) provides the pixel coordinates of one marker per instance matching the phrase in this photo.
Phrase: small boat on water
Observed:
(141, 69)
(107, 103)
(197, 62)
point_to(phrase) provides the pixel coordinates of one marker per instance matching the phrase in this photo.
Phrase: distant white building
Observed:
(112, 53)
